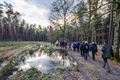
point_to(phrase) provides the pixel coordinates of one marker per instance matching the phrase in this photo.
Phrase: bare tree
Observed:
(1, 24)
(61, 12)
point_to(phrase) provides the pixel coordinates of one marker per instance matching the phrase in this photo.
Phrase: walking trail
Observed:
(91, 70)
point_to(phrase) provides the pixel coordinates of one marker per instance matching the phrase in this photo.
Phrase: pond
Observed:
(45, 59)
(44, 63)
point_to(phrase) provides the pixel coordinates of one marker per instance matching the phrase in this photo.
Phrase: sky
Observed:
(33, 11)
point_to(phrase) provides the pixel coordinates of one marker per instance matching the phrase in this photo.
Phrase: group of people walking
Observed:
(61, 43)
(84, 48)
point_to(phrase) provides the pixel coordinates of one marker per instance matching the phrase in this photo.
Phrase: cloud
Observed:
(31, 12)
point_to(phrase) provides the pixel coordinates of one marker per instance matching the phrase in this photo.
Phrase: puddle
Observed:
(3, 64)
(44, 63)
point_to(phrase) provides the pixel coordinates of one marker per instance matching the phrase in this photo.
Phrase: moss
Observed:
(32, 73)
(56, 75)
(59, 70)
(46, 77)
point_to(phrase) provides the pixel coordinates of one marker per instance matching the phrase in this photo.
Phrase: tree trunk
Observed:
(14, 31)
(118, 41)
(110, 37)
(90, 28)
(1, 28)
(10, 28)
(117, 34)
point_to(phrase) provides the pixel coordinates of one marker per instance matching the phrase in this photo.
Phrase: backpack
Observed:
(86, 46)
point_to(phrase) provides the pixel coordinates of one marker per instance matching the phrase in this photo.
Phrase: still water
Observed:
(45, 63)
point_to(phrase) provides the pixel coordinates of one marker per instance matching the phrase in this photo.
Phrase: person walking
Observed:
(57, 43)
(65, 44)
(94, 50)
(74, 45)
(78, 46)
(107, 53)
(86, 50)
(81, 48)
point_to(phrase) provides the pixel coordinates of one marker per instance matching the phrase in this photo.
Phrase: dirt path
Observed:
(91, 70)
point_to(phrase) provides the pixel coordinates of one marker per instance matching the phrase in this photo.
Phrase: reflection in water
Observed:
(2, 64)
(44, 63)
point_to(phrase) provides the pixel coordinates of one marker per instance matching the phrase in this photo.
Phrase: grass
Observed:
(46, 77)
(34, 49)
(7, 47)
(15, 43)
(31, 74)
(56, 76)
(59, 70)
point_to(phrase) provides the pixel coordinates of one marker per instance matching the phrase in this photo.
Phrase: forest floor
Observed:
(10, 49)
(83, 70)
(91, 70)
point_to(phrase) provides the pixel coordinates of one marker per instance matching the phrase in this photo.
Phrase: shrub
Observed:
(31, 52)
(8, 69)
(117, 58)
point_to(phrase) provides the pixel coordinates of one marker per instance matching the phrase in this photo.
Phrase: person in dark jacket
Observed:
(93, 50)
(107, 53)
(81, 48)
(78, 46)
(86, 50)
(74, 45)
(65, 44)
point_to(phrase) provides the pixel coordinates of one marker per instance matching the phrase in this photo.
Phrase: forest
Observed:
(29, 51)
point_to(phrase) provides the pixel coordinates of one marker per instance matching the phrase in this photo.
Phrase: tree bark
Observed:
(90, 27)
(118, 41)
(1, 28)
(110, 38)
